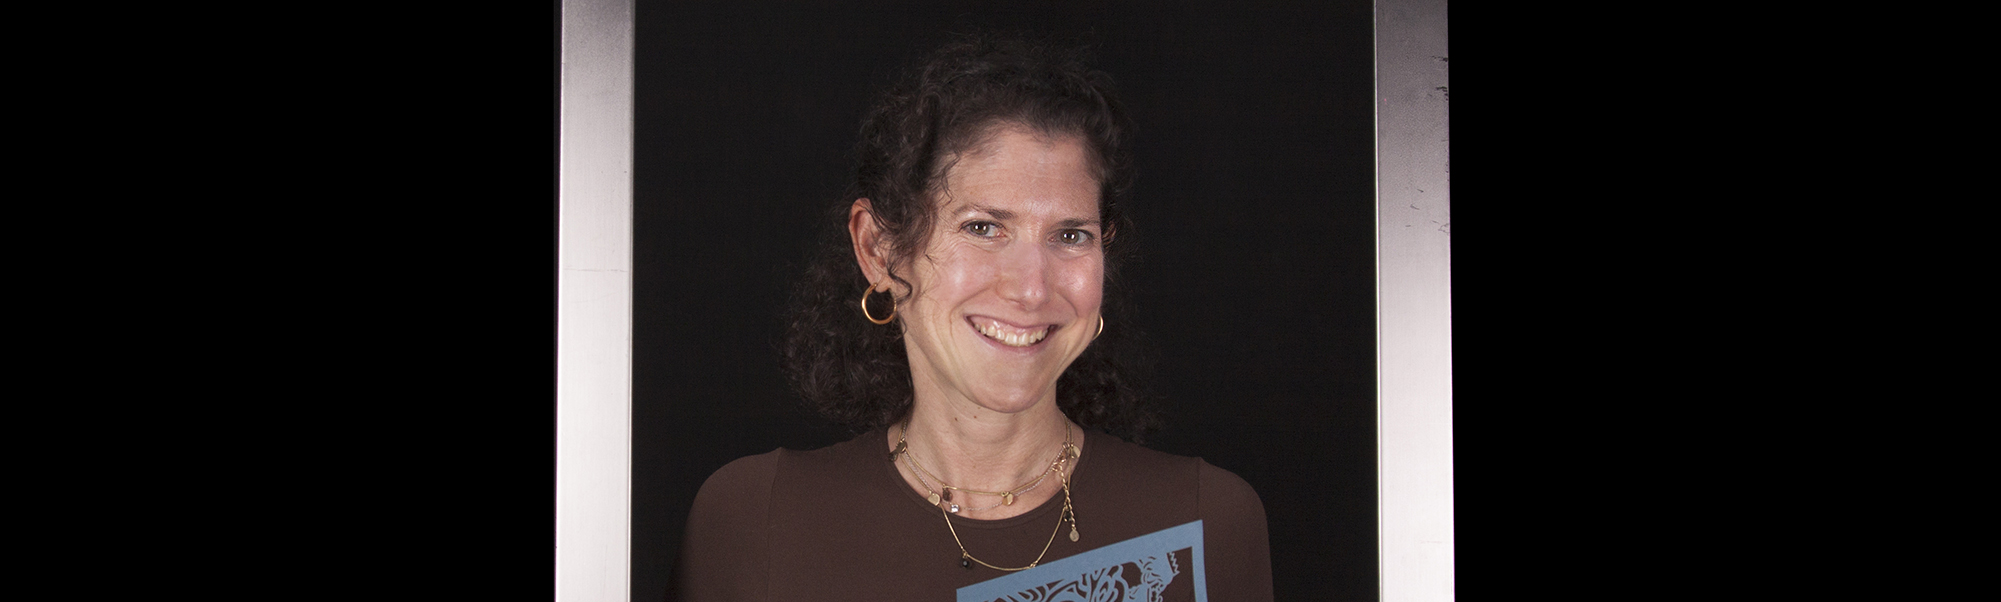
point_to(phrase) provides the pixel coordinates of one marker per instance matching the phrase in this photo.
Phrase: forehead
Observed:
(1024, 170)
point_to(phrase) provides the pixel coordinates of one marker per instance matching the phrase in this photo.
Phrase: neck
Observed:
(984, 450)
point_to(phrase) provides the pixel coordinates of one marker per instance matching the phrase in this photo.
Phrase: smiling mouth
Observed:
(1012, 337)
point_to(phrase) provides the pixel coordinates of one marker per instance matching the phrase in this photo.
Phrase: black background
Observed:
(1253, 209)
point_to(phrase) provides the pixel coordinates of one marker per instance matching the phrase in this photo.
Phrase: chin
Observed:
(1013, 402)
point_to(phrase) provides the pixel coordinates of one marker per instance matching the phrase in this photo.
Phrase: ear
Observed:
(871, 250)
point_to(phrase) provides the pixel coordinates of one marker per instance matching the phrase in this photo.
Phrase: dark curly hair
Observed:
(856, 373)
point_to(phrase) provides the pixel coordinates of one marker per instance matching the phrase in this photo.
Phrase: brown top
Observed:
(840, 524)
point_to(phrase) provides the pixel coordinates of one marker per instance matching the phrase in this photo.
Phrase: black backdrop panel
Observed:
(1253, 214)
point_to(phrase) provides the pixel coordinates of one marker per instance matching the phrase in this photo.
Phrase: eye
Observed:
(1074, 237)
(982, 229)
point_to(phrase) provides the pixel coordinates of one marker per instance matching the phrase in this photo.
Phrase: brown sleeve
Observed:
(724, 550)
(1234, 541)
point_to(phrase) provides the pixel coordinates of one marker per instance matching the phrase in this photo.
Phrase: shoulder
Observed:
(1216, 487)
(725, 545)
(743, 480)
(752, 483)
(1224, 491)
(1234, 534)
(1118, 455)
(734, 499)
(752, 479)
(1209, 491)
(1217, 490)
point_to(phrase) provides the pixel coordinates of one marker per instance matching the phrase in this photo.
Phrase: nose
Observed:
(1024, 276)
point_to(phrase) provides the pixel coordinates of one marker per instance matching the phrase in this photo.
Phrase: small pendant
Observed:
(934, 499)
(955, 508)
(966, 561)
(1073, 532)
(1007, 499)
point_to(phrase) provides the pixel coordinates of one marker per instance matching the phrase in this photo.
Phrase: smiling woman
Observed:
(981, 235)
(1007, 292)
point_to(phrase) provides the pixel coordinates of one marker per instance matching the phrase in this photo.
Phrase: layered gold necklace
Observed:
(946, 507)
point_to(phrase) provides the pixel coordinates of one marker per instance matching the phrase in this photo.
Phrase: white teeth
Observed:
(993, 331)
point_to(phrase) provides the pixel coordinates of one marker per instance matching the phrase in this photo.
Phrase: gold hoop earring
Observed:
(892, 306)
(1101, 328)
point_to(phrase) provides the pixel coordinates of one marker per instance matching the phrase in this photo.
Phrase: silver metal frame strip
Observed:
(594, 304)
(1413, 303)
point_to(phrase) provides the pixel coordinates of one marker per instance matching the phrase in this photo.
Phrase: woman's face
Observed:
(1008, 288)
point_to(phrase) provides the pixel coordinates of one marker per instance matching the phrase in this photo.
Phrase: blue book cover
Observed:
(1157, 567)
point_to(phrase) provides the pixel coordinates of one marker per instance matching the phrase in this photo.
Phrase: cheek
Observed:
(1085, 286)
(948, 277)
(961, 276)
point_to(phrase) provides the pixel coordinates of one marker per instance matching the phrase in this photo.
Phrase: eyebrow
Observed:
(997, 213)
(1003, 214)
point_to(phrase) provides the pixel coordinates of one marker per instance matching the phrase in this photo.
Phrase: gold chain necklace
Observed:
(935, 497)
(944, 493)
(1070, 453)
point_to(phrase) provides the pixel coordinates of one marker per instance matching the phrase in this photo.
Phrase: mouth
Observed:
(1011, 336)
